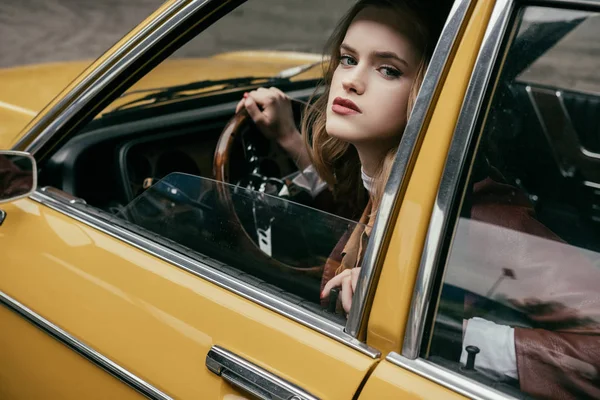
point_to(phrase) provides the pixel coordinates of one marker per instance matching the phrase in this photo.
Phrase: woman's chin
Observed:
(343, 130)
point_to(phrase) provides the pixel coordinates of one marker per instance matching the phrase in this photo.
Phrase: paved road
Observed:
(33, 31)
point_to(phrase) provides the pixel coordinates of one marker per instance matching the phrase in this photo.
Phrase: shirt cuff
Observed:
(309, 180)
(496, 345)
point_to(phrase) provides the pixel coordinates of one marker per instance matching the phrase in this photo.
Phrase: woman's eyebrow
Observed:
(388, 55)
(378, 54)
(350, 49)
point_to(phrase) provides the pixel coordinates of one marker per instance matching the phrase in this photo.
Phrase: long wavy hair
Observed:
(336, 161)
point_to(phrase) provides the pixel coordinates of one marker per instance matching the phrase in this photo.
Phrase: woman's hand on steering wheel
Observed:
(271, 111)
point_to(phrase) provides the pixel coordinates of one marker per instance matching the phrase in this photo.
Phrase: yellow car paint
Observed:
(53, 371)
(156, 319)
(389, 381)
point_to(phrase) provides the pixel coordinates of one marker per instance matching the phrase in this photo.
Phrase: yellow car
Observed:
(154, 245)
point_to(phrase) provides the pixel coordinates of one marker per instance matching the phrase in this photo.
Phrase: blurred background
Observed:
(39, 31)
(42, 31)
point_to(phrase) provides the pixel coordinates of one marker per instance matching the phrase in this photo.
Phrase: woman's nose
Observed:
(354, 81)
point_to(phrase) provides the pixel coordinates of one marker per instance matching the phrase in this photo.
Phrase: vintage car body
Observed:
(93, 310)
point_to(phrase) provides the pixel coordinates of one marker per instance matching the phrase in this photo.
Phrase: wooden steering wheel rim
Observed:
(232, 131)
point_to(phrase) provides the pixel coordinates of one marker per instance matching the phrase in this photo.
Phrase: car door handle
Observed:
(252, 378)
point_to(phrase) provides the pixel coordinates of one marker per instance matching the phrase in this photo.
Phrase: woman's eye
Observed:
(347, 60)
(390, 72)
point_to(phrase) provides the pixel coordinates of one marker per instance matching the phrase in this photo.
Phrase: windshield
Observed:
(284, 243)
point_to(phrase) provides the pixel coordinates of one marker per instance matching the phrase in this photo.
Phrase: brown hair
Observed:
(337, 161)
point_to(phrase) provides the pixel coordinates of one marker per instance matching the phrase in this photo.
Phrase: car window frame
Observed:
(444, 217)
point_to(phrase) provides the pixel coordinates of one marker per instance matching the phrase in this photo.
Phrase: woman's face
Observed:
(369, 91)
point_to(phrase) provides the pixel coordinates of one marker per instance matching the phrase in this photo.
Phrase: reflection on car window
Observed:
(283, 244)
(519, 308)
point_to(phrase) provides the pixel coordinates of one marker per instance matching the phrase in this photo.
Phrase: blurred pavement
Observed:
(35, 31)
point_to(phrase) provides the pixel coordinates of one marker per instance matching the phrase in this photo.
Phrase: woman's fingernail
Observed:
(245, 94)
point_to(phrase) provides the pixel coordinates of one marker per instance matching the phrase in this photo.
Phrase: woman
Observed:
(379, 55)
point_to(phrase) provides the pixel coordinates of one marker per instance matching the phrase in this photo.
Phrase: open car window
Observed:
(282, 246)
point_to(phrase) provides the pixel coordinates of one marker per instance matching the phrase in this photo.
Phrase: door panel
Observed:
(155, 319)
(36, 366)
(389, 381)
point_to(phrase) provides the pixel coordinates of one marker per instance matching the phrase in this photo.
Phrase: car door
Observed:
(498, 272)
(160, 320)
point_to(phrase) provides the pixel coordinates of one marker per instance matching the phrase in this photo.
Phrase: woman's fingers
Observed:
(262, 96)
(334, 282)
(278, 92)
(347, 280)
(240, 105)
(347, 293)
(255, 113)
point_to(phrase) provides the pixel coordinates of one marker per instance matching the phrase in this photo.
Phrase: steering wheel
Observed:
(246, 161)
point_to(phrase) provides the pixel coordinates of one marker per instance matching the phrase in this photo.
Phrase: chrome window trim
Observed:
(106, 73)
(463, 133)
(208, 273)
(453, 381)
(406, 154)
(84, 350)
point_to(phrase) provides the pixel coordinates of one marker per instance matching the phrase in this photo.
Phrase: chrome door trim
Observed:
(208, 273)
(106, 73)
(463, 133)
(252, 378)
(453, 381)
(407, 150)
(84, 350)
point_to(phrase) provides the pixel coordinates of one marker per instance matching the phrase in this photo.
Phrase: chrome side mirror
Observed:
(18, 175)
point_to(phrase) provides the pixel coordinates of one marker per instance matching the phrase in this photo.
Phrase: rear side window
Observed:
(519, 300)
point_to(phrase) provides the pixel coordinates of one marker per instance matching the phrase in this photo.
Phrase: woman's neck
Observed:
(371, 158)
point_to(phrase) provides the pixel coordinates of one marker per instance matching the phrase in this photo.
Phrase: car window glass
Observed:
(280, 244)
(519, 299)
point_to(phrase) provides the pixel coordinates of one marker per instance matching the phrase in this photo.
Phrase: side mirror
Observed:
(18, 175)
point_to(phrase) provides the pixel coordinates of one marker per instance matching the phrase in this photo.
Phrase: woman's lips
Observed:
(344, 107)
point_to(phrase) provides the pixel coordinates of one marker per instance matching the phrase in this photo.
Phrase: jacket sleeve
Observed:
(557, 364)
